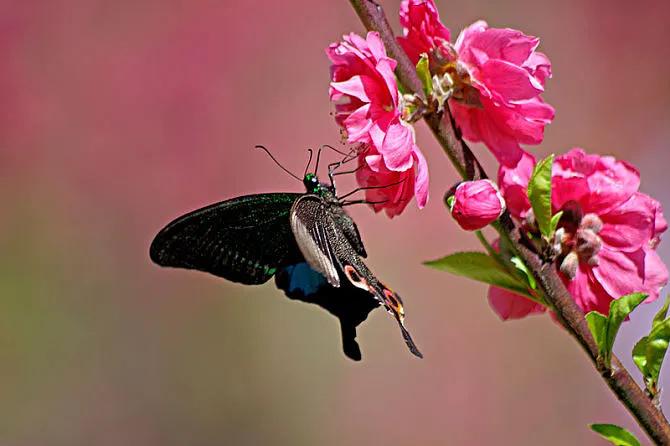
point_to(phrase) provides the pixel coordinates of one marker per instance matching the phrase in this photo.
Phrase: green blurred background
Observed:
(116, 116)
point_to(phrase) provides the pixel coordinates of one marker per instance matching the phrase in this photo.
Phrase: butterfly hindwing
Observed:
(323, 241)
(244, 239)
(348, 303)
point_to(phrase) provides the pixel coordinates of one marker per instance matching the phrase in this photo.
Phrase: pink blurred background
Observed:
(118, 116)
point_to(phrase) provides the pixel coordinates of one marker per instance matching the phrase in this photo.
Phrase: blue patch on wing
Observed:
(303, 278)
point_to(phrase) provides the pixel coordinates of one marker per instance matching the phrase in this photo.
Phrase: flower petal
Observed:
(510, 82)
(620, 273)
(508, 305)
(397, 146)
(629, 226)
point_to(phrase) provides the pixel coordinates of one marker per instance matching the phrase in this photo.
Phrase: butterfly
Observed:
(306, 241)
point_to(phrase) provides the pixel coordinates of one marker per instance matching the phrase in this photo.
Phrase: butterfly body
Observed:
(306, 241)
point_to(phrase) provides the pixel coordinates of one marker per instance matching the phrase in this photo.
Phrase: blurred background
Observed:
(118, 116)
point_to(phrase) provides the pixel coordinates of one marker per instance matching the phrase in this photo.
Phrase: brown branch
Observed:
(569, 314)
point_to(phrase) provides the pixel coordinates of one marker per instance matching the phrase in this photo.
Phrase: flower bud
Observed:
(475, 204)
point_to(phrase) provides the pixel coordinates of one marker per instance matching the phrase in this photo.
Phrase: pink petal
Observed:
(527, 120)
(504, 43)
(655, 274)
(564, 190)
(508, 305)
(463, 42)
(513, 182)
(539, 66)
(586, 291)
(504, 146)
(397, 147)
(421, 179)
(358, 125)
(629, 226)
(509, 81)
(610, 182)
(619, 273)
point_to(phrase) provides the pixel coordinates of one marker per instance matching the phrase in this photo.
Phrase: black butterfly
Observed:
(306, 241)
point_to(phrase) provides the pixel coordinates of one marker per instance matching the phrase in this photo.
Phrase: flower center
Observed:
(452, 76)
(577, 241)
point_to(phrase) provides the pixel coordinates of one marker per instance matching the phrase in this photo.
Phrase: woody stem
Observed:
(568, 313)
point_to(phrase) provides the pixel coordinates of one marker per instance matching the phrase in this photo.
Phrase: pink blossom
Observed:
(422, 30)
(365, 91)
(369, 107)
(496, 78)
(609, 230)
(508, 305)
(392, 190)
(509, 75)
(476, 204)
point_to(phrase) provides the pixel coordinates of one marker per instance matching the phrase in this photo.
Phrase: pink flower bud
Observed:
(475, 204)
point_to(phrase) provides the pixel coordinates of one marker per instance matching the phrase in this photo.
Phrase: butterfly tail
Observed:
(408, 340)
(349, 344)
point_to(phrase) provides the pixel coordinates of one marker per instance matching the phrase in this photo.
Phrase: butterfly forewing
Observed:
(311, 224)
(244, 239)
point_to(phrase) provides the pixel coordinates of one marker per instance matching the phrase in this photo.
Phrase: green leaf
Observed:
(656, 346)
(616, 435)
(554, 222)
(649, 352)
(605, 328)
(423, 70)
(640, 356)
(619, 311)
(662, 313)
(481, 267)
(518, 263)
(539, 194)
(598, 326)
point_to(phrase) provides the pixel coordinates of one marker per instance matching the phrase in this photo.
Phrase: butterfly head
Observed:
(313, 186)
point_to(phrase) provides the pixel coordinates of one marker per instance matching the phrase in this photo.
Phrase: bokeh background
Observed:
(117, 116)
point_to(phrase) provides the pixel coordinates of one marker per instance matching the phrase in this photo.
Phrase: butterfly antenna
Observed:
(318, 157)
(309, 161)
(277, 162)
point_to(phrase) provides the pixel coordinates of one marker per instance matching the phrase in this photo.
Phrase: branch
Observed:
(569, 314)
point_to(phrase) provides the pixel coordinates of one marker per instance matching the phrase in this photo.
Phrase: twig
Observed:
(569, 314)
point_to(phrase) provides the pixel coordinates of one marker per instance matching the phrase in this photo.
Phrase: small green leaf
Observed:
(605, 328)
(450, 202)
(518, 263)
(619, 311)
(656, 346)
(640, 355)
(662, 313)
(649, 352)
(423, 70)
(598, 326)
(481, 267)
(539, 194)
(554, 222)
(616, 435)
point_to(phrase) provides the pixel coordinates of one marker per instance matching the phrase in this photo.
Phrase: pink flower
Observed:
(369, 107)
(509, 75)
(476, 204)
(392, 190)
(495, 75)
(422, 30)
(608, 233)
(366, 94)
